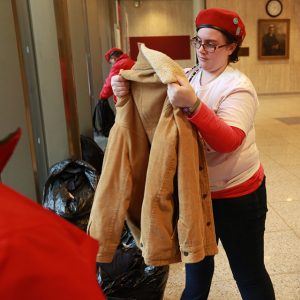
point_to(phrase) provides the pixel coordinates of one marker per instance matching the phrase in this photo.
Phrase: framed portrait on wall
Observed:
(273, 39)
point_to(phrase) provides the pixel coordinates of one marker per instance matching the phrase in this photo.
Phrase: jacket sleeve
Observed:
(106, 91)
(112, 196)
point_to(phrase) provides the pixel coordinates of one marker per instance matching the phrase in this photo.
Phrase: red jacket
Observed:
(123, 62)
(42, 256)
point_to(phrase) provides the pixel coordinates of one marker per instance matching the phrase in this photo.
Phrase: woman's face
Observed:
(212, 62)
(112, 60)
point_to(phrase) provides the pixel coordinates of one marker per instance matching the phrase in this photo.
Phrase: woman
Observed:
(221, 102)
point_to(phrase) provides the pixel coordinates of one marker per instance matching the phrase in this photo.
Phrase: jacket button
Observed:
(204, 196)
(185, 253)
(208, 223)
(201, 168)
(142, 245)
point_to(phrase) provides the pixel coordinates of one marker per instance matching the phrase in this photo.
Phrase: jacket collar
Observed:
(152, 61)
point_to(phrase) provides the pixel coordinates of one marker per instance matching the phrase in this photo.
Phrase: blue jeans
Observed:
(240, 225)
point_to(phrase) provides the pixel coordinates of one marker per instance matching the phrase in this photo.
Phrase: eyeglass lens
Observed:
(197, 43)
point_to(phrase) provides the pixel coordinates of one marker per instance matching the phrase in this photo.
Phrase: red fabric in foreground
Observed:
(42, 256)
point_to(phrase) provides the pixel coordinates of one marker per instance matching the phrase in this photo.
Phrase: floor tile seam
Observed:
(274, 154)
(286, 273)
(285, 201)
(295, 235)
(271, 96)
(281, 230)
(276, 182)
(223, 280)
(280, 217)
(268, 156)
(277, 149)
(270, 200)
(274, 273)
(283, 166)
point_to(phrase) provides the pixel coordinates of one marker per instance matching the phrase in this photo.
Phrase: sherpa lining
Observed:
(165, 67)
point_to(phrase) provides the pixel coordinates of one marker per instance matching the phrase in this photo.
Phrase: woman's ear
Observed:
(231, 47)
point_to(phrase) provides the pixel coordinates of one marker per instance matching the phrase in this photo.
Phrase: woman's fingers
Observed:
(120, 86)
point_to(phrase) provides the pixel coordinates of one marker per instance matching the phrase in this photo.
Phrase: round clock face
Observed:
(274, 8)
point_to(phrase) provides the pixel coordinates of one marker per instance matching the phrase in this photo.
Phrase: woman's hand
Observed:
(120, 86)
(181, 94)
(186, 70)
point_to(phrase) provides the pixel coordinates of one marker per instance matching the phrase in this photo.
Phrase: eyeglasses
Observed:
(211, 48)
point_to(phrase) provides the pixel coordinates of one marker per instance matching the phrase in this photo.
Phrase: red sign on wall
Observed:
(177, 47)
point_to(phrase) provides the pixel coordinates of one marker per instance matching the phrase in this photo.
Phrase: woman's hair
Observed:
(230, 39)
(116, 54)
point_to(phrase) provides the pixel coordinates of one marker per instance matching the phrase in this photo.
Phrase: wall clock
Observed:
(274, 8)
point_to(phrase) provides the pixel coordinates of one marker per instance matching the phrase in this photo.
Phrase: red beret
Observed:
(110, 52)
(226, 21)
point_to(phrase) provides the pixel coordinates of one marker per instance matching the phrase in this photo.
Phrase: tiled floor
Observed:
(278, 138)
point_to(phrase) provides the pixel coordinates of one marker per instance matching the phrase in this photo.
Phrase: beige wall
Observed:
(105, 32)
(157, 18)
(23, 170)
(78, 34)
(95, 48)
(18, 173)
(51, 95)
(175, 17)
(268, 76)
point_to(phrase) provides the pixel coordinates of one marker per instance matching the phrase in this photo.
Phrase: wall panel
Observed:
(174, 17)
(18, 173)
(157, 18)
(268, 76)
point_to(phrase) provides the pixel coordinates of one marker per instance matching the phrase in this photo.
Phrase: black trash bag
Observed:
(69, 191)
(91, 152)
(127, 277)
(103, 117)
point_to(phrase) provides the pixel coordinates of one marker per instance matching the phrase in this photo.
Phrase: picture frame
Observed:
(273, 39)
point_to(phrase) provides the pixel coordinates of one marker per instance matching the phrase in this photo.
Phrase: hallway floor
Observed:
(278, 139)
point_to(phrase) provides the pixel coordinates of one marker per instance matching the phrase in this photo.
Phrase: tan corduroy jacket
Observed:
(154, 173)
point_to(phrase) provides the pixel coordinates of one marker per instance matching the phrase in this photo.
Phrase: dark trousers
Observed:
(240, 225)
